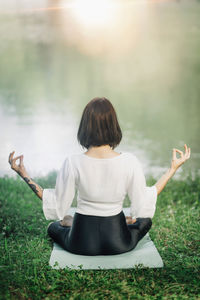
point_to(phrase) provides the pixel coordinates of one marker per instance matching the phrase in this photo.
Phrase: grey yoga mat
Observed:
(144, 255)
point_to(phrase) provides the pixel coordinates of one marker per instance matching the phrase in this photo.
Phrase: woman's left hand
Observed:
(177, 162)
(20, 169)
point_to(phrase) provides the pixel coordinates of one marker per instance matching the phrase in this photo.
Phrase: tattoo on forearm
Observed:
(32, 186)
(37, 184)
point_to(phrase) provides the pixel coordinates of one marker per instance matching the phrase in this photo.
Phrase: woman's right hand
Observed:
(20, 169)
(177, 162)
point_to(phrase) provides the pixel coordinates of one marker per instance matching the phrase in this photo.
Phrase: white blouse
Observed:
(102, 184)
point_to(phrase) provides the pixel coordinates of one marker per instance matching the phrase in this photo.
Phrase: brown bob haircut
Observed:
(99, 125)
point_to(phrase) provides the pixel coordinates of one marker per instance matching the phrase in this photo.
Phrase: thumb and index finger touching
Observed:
(186, 154)
(12, 160)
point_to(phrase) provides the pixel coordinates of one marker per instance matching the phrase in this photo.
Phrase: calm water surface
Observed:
(57, 55)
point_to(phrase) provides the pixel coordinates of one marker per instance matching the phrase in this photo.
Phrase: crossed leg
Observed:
(139, 229)
(68, 220)
(59, 230)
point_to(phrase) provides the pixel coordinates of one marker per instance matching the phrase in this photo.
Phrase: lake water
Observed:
(55, 56)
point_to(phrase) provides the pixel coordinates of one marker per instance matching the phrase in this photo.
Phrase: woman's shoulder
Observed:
(130, 156)
(125, 156)
(132, 161)
(71, 158)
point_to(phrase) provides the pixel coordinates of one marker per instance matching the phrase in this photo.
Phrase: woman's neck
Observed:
(104, 151)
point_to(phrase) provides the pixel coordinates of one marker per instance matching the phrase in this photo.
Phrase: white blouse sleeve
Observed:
(143, 198)
(56, 202)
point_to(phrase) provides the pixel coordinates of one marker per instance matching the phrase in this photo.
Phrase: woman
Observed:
(102, 177)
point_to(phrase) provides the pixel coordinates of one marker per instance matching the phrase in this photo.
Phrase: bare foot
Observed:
(67, 221)
(129, 220)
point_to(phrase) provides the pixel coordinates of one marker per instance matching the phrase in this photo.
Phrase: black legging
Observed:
(96, 235)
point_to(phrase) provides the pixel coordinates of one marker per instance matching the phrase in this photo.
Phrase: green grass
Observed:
(25, 250)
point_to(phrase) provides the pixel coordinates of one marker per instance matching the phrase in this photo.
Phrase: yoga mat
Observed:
(144, 255)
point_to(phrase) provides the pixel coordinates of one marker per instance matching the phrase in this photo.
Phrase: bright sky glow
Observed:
(94, 12)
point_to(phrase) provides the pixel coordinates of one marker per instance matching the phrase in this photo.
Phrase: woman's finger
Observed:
(14, 160)
(21, 161)
(186, 149)
(174, 154)
(11, 156)
(9, 160)
(180, 152)
(17, 157)
(188, 154)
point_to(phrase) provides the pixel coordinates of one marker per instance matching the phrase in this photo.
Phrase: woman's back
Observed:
(101, 183)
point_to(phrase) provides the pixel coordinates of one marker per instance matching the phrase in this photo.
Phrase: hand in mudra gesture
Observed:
(19, 168)
(177, 162)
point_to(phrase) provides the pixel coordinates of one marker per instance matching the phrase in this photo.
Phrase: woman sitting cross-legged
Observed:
(103, 178)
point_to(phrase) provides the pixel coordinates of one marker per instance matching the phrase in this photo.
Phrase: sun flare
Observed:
(93, 12)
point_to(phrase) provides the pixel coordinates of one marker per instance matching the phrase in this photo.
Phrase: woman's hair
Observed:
(99, 125)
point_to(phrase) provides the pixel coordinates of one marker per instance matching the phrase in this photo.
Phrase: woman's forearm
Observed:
(161, 183)
(33, 185)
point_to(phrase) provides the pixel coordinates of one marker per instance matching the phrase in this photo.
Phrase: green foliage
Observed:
(25, 250)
